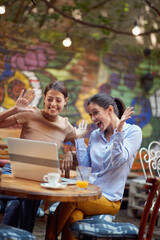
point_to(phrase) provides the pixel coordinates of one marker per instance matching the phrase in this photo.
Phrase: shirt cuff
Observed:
(119, 135)
(80, 142)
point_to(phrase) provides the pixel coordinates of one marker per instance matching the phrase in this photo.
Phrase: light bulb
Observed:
(67, 42)
(2, 9)
(136, 30)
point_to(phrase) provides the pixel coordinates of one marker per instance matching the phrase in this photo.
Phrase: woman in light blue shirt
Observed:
(111, 151)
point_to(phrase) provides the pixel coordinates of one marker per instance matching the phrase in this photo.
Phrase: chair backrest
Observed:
(10, 132)
(4, 133)
(153, 186)
(151, 157)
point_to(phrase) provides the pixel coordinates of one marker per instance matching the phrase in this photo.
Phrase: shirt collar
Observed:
(102, 132)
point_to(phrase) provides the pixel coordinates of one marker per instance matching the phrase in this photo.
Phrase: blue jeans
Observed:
(19, 212)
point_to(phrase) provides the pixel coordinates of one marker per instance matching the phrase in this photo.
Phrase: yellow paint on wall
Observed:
(60, 74)
(80, 104)
(9, 102)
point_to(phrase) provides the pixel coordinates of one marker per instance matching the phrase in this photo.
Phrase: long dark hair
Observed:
(104, 100)
(59, 86)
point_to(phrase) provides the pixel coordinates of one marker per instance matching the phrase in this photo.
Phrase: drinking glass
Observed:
(83, 174)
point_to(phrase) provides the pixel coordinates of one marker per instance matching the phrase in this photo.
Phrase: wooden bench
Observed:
(4, 134)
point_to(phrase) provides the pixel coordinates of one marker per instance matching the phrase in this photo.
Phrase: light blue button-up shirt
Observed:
(112, 160)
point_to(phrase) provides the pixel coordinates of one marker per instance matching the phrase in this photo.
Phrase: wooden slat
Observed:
(10, 132)
(4, 156)
(3, 152)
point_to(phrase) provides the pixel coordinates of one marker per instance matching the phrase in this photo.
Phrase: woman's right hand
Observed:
(82, 129)
(67, 161)
(24, 100)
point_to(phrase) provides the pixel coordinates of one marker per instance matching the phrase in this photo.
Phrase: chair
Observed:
(12, 233)
(150, 162)
(85, 230)
(152, 158)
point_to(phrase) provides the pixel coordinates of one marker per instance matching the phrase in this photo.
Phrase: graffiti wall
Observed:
(33, 60)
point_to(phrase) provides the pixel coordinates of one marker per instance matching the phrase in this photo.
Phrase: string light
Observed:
(2, 9)
(67, 41)
(136, 30)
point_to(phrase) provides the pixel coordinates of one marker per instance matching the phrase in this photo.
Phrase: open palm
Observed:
(24, 100)
(126, 115)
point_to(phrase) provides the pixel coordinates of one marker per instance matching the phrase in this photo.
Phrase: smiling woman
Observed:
(50, 126)
(43, 125)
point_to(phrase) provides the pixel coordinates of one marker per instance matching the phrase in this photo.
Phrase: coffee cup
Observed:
(52, 178)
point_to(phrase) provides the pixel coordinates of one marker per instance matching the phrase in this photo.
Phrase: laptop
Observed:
(32, 159)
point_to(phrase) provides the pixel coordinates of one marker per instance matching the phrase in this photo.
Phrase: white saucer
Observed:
(57, 186)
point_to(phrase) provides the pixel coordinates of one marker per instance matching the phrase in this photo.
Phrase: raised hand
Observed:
(24, 100)
(82, 129)
(126, 115)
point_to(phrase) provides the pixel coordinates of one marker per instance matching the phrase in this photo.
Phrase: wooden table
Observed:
(32, 190)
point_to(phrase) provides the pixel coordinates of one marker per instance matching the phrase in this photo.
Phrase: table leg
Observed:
(21, 213)
(49, 228)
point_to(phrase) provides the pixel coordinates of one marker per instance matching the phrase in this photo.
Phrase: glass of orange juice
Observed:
(82, 175)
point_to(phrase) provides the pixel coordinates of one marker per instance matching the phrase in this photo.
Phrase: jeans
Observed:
(19, 212)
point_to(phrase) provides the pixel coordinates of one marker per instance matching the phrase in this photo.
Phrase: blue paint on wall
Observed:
(144, 116)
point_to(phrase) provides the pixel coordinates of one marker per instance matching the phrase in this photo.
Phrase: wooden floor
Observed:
(40, 225)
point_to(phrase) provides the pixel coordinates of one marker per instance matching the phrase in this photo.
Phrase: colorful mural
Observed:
(86, 71)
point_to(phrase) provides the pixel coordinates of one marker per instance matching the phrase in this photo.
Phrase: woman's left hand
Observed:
(126, 115)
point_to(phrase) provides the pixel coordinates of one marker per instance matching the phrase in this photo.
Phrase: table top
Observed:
(24, 188)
